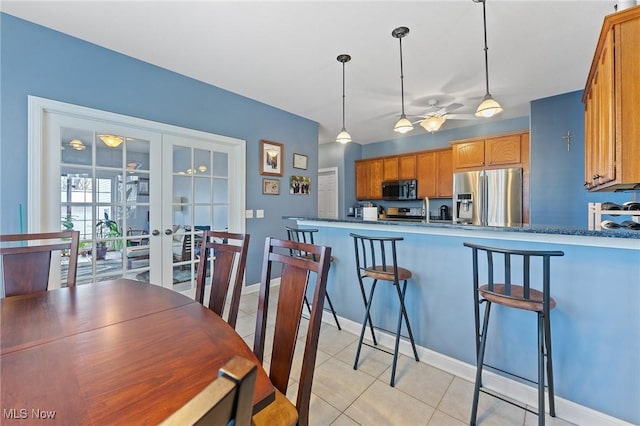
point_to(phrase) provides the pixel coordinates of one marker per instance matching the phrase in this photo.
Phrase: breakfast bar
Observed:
(595, 325)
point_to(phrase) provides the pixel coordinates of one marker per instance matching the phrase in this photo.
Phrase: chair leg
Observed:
(333, 311)
(406, 319)
(364, 299)
(480, 362)
(541, 344)
(547, 339)
(364, 325)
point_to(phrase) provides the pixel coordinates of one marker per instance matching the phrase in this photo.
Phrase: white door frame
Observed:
(38, 170)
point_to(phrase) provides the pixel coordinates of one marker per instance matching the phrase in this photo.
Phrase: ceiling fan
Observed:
(436, 115)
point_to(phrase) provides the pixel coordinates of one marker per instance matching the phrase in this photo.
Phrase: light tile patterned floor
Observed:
(423, 395)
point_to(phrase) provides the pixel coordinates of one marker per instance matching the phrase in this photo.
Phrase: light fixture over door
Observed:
(489, 106)
(343, 136)
(403, 125)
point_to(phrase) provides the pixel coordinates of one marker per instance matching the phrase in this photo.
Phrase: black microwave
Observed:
(400, 190)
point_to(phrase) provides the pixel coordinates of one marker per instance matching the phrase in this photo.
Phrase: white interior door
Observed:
(328, 193)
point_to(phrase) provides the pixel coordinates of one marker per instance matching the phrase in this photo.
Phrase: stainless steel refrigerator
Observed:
(488, 197)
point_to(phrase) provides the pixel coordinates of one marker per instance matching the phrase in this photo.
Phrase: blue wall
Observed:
(558, 196)
(595, 333)
(38, 61)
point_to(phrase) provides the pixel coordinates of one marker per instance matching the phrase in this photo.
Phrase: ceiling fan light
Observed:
(112, 141)
(343, 136)
(488, 108)
(403, 125)
(77, 144)
(433, 123)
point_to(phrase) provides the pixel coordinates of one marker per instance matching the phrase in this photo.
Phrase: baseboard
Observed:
(565, 409)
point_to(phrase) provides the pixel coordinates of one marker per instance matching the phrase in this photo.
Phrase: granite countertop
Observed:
(532, 229)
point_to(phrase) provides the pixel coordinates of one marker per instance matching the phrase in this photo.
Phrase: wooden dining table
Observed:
(116, 352)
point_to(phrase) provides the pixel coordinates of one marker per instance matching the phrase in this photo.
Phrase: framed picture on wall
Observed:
(270, 186)
(300, 185)
(271, 154)
(300, 161)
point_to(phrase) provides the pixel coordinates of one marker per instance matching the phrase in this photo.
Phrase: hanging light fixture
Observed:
(433, 122)
(403, 125)
(489, 106)
(343, 136)
(112, 141)
(77, 144)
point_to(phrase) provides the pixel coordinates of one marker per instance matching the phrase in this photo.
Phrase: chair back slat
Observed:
(228, 253)
(504, 286)
(375, 253)
(300, 235)
(26, 260)
(295, 274)
(227, 400)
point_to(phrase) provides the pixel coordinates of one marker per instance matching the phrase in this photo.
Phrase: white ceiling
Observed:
(284, 53)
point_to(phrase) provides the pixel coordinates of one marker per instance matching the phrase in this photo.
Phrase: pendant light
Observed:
(489, 106)
(343, 136)
(403, 125)
(112, 141)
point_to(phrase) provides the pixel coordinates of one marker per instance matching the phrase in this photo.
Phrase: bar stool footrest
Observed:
(508, 401)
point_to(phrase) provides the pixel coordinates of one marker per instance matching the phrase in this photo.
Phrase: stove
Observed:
(405, 213)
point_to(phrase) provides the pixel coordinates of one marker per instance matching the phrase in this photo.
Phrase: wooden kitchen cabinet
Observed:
(390, 166)
(489, 152)
(369, 176)
(407, 166)
(434, 174)
(612, 106)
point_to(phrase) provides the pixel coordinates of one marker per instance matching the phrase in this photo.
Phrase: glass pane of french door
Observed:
(199, 182)
(104, 194)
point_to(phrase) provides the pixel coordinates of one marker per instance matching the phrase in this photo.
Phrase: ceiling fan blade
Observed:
(452, 107)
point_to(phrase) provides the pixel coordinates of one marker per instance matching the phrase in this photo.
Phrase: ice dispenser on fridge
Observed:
(464, 207)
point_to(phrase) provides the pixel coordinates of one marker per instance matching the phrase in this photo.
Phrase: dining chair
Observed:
(26, 260)
(228, 254)
(226, 400)
(305, 235)
(294, 281)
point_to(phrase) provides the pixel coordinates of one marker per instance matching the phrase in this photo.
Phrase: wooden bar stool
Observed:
(376, 259)
(305, 235)
(519, 297)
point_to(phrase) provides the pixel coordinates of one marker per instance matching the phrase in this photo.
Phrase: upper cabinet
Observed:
(612, 106)
(432, 169)
(369, 177)
(435, 174)
(491, 152)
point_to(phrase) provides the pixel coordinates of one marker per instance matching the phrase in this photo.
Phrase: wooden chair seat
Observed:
(280, 412)
(387, 273)
(515, 300)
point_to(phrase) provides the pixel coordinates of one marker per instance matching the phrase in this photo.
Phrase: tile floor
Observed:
(423, 395)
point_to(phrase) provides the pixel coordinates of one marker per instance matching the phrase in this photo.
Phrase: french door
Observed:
(139, 192)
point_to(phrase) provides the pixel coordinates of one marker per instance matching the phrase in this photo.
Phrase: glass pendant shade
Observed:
(77, 145)
(433, 123)
(111, 141)
(403, 125)
(488, 108)
(343, 136)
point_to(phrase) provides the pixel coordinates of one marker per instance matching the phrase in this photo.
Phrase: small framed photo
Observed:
(300, 161)
(300, 185)
(271, 154)
(270, 186)
(143, 186)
